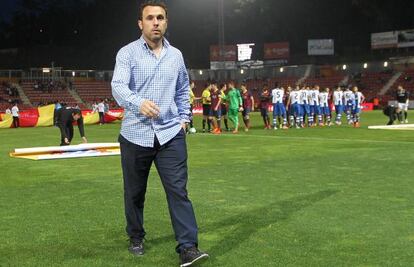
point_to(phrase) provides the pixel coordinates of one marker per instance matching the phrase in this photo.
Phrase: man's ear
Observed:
(140, 24)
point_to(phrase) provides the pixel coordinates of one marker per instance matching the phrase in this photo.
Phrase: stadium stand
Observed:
(370, 83)
(91, 91)
(50, 95)
(323, 82)
(406, 80)
(7, 98)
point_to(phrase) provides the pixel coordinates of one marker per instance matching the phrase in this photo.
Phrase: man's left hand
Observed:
(84, 140)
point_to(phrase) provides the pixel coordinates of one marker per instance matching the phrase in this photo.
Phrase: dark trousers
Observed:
(392, 118)
(171, 162)
(16, 122)
(69, 135)
(101, 117)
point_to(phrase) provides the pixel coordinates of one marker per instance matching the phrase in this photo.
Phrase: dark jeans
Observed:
(101, 117)
(16, 122)
(392, 118)
(171, 162)
(69, 136)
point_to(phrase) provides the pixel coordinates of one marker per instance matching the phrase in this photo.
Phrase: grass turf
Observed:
(334, 196)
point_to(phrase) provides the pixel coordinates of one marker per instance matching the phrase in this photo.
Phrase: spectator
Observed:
(94, 107)
(376, 102)
(15, 114)
(101, 111)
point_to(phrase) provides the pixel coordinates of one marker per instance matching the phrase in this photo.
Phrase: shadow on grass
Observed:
(247, 223)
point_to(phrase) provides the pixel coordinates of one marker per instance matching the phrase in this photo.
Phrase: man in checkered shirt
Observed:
(151, 83)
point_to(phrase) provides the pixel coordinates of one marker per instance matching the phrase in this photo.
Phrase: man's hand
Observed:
(184, 125)
(84, 140)
(66, 141)
(149, 109)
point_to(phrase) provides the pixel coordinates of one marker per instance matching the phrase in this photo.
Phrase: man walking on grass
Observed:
(151, 82)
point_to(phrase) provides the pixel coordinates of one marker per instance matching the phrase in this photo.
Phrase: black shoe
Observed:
(188, 256)
(136, 247)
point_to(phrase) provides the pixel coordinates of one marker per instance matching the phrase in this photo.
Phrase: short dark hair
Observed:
(152, 3)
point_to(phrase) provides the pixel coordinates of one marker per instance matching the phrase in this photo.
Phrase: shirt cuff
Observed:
(184, 120)
(135, 106)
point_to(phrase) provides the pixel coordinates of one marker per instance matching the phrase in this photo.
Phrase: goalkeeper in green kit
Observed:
(235, 105)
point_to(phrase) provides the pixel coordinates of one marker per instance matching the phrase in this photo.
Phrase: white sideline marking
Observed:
(392, 127)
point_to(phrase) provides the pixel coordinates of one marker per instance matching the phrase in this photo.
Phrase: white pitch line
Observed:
(313, 138)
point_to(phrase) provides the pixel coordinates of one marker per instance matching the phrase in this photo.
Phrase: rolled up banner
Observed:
(65, 152)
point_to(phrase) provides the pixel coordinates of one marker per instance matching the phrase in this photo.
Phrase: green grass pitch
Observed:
(331, 196)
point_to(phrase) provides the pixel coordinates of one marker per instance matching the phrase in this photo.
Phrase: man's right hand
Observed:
(67, 141)
(149, 109)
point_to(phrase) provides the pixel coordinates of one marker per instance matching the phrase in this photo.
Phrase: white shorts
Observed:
(403, 106)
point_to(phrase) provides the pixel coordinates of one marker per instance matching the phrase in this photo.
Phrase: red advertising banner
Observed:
(367, 106)
(229, 53)
(276, 50)
(28, 118)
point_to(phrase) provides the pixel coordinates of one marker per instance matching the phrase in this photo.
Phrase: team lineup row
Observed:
(294, 107)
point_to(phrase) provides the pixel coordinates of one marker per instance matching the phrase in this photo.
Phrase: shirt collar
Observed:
(143, 43)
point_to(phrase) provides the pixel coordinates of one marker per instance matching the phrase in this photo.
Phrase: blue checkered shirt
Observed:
(139, 75)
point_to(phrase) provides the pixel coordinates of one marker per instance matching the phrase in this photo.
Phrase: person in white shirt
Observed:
(349, 103)
(302, 102)
(294, 107)
(94, 107)
(314, 106)
(279, 111)
(306, 106)
(15, 114)
(359, 99)
(101, 111)
(338, 96)
(324, 104)
(8, 111)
